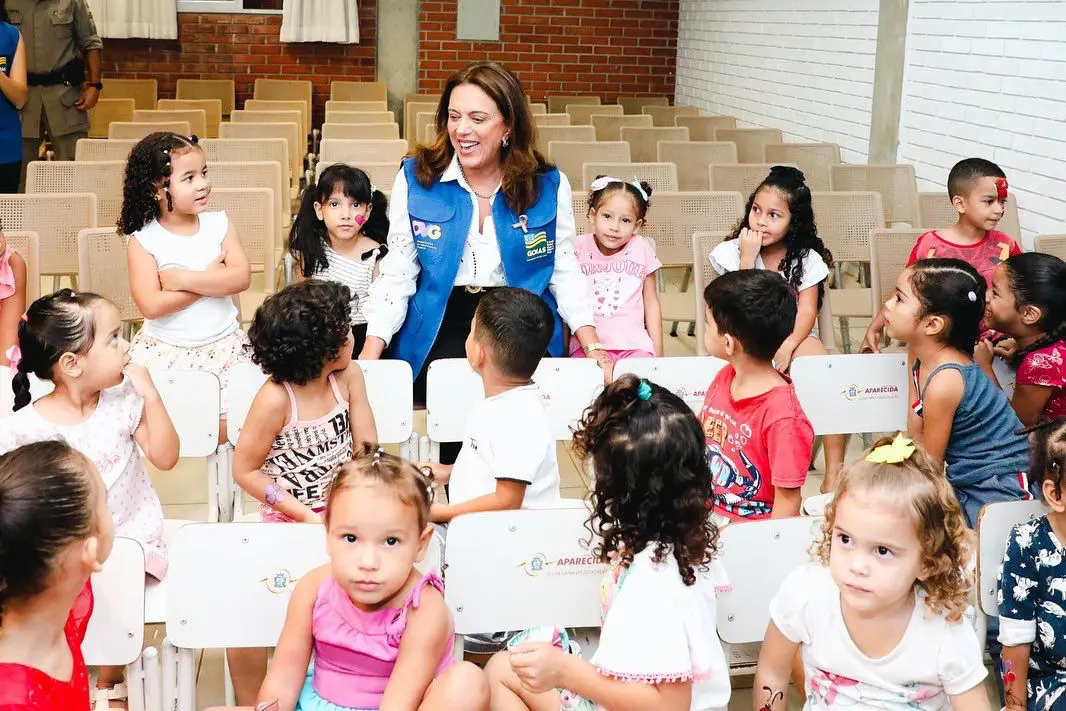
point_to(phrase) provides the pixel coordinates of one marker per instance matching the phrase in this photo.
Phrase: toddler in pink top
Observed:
(620, 266)
(370, 631)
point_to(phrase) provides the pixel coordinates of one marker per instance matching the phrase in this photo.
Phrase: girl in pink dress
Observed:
(12, 297)
(374, 630)
(1027, 302)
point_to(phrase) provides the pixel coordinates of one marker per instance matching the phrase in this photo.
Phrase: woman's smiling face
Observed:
(476, 127)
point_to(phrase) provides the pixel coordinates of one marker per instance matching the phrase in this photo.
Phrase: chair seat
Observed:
(851, 302)
(678, 306)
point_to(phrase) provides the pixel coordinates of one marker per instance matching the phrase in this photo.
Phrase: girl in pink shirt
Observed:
(620, 266)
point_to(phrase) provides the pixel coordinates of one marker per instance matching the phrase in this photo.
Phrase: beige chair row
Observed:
(630, 104)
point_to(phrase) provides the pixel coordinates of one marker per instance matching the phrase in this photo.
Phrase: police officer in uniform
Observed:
(61, 43)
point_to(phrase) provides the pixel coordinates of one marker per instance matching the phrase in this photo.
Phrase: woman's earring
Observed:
(505, 141)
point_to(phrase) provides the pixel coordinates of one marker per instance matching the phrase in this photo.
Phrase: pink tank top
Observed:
(306, 454)
(355, 651)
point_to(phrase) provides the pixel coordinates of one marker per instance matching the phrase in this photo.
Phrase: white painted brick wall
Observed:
(804, 66)
(988, 79)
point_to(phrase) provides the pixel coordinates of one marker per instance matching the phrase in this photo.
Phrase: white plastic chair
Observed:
(853, 394)
(687, 376)
(994, 524)
(780, 546)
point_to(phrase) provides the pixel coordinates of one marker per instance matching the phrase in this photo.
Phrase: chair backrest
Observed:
(994, 525)
(139, 129)
(212, 109)
(255, 174)
(814, 159)
(936, 211)
(667, 115)
(241, 150)
(702, 128)
(56, 218)
(580, 114)
(361, 131)
(360, 117)
(382, 174)
(845, 394)
(102, 178)
(273, 116)
(143, 91)
(410, 116)
(636, 104)
(511, 570)
(101, 149)
(895, 183)
(115, 635)
(288, 131)
(1051, 244)
(388, 389)
(692, 159)
(335, 105)
(570, 156)
(425, 125)
(661, 176)
(108, 110)
(356, 151)
(191, 398)
(687, 376)
(568, 386)
(222, 89)
(252, 211)
(547, 134)
(674, 217)
(609, 126)
(889, 251)
(538, 108)
(358, 91)
(551, 120)
(845, 221)
(742, 177)
(196, 118)
(283, 90)
(102, 269)
(278, 105)
(750, 141)
(644, 141)
(780, 545)
(703, 243)
(28, 245)
(558, 104)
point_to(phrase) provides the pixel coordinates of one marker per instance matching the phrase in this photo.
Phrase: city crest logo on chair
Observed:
(280, 582)
(861, 392)
(540, 564)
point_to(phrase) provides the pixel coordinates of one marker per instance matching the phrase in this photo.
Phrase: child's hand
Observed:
(983, 353)
(871, 341)
(141, 379)
(311, 517)
(750, 246)
(441, 472)
(606, 364)
(172, 279)
(783, 357)
(539, 666)
(1006, 348)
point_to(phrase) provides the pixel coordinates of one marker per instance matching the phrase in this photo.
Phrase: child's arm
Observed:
(509, 495)
(789, 442)
(155, 433)
(151, 299)
(871, 340)
(976, 699)
(1015, 675)
(653, 313)
(1029, 401)
(363, 426)
(231, 278)
(773, 671)
(940, 400)
(288, 669)
(13, 307)
(787, 502)
(268, 414)
(429, 627)
(806, 316)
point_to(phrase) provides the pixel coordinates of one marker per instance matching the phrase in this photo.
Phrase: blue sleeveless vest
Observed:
(440, 223)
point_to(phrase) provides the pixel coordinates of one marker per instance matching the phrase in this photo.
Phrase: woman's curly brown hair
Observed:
(919, 488)
(148, 169)
(300, 329)
(651, 479)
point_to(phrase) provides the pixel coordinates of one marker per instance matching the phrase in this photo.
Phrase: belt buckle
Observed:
(473, 289)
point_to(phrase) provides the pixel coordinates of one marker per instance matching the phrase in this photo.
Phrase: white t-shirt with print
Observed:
(935, 658)
(726, 258)
(508, 437)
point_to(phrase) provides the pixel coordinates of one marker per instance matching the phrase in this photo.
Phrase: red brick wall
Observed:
(244, 47)
(604, 47)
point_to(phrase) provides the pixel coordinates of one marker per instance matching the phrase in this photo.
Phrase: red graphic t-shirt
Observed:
(1047, 367)
(23, 687)
(985, 256)
(754, 445)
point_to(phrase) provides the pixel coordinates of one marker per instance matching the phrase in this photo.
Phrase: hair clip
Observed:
(377, 456)
(373, 189)
(14, 356)
(644, 390)
(1001, 188)
(971, 296)
(897, 451)
(26, 317)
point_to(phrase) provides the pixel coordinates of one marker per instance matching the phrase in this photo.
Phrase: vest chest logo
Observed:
(538, 245)
(425, 234)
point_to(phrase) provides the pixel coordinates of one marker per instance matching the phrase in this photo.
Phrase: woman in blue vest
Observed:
(479, 208)
(15, 90)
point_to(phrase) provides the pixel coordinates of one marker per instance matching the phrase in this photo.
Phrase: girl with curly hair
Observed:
(185, 262)
(659, 647)
(778, 233)
(878, 617)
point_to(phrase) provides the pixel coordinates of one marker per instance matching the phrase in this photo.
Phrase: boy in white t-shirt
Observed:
(508, 459)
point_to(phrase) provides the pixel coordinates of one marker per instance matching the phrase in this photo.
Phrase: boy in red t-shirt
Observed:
(978, 190)
(758, 439)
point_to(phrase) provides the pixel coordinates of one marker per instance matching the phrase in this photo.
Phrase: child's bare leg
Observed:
(834, 445)
(109, 678)
(247, 668)
(508, 693)
(223, 431)
(463, 687)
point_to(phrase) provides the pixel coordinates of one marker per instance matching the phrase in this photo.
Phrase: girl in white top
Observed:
(185, 264)
(778, 233)
(339, 235)
(878, 619)
(659, 647)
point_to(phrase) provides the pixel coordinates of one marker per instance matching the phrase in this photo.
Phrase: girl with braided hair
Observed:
(778, 233)
(185, 262)
(1027, 302)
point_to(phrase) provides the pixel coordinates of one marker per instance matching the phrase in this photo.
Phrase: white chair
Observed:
(115, 635)
(853, 394)
(687, 377)
(994, 524)
(780, 546)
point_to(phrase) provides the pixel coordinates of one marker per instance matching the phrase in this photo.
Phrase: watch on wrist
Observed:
(593, 347)
(98, 85)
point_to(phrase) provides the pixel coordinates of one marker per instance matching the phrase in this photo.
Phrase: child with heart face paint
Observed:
(339, 235)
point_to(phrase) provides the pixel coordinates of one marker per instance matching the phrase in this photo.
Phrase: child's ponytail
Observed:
(377, 225)
(308, 235)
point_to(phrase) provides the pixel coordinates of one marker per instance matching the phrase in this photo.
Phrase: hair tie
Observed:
(896, 452)
(14, 356)
(373, 189)
(971, 296)
(377, 456)
(644, 390)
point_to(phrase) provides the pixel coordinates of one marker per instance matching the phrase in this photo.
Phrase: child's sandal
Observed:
(102, 698)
